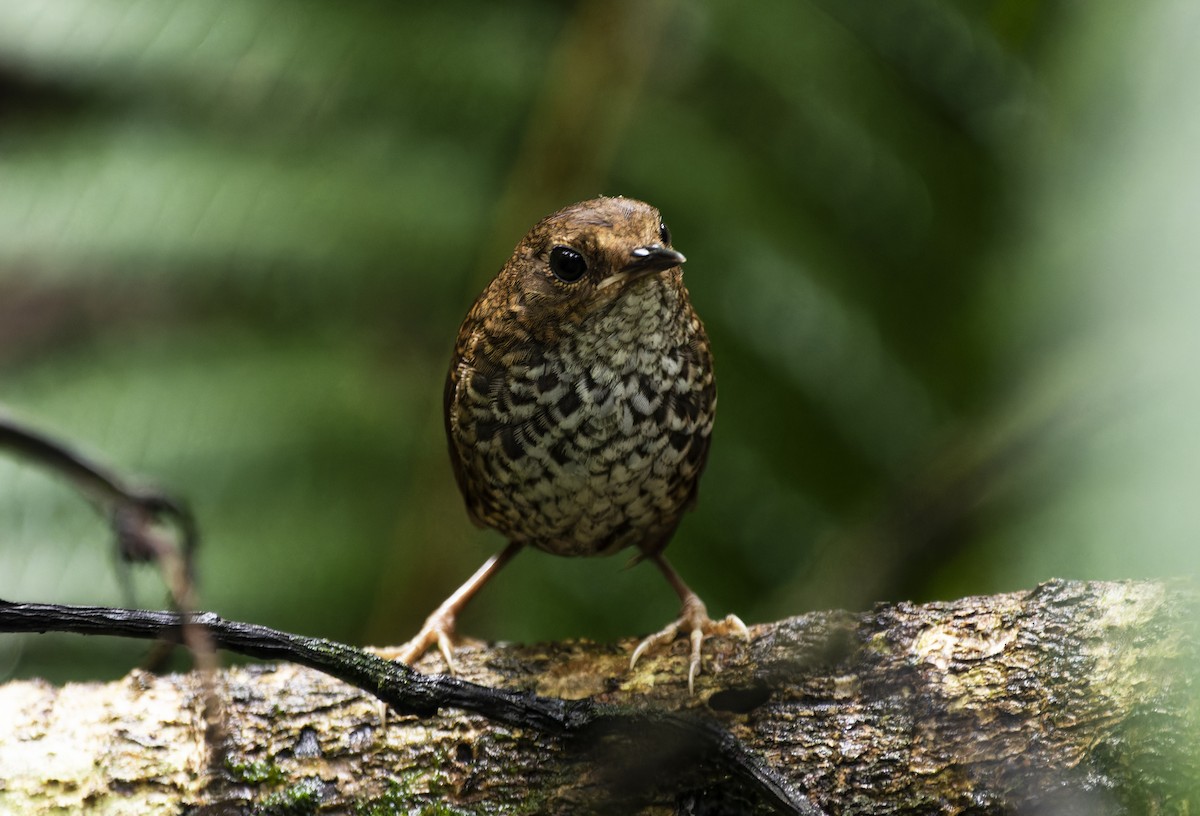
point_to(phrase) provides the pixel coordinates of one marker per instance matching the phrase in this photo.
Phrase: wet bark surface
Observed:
(1069, 698)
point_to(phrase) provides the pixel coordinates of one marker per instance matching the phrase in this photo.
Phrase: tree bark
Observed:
(1070, 698)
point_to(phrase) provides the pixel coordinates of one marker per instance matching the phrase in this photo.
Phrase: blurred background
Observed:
(945, 250)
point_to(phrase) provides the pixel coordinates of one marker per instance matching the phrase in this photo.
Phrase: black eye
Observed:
(567, 264)
(664, 233)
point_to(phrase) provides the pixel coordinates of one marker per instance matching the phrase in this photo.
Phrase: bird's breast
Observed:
(592, 442)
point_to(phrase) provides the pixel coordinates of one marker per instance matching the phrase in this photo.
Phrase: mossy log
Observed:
(1072, 698)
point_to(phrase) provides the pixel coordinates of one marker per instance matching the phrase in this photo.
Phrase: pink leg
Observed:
(439, 626)
(693, 619)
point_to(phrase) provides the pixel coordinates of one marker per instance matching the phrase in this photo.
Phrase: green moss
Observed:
(398, 800)
(256, 773)
(393, 802)
(878, 645)
(301, 799)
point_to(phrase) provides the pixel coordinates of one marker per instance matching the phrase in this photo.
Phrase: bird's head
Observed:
(583, 258)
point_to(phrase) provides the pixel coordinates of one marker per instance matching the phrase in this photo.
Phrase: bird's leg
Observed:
(439, 626)
(693, 620)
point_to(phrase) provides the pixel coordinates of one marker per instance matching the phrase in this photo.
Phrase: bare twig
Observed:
(137, 515)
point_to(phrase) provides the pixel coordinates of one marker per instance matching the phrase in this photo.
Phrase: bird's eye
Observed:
(567, 264)
(664, 233)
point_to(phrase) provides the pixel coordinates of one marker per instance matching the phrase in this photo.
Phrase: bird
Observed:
(579, 407)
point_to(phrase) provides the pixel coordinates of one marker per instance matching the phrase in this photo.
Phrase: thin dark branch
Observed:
(136, 515)
(410, 692)
(131, 507)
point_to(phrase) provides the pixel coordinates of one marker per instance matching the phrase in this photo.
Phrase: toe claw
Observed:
(653, 641)
(446, 647)
(736, 626)
(411, 652)
(696, 665)
(695, 621)
(438, 630)
(637, 653)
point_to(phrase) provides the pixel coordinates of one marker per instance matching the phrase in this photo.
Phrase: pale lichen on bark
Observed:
(1070, 698)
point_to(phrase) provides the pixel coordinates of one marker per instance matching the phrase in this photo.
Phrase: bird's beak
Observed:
(654, 258)
(644, 261)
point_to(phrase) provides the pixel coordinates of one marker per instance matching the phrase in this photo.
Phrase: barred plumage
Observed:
(580, 401)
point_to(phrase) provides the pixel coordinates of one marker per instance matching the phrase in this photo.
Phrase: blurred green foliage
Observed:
(944, 251)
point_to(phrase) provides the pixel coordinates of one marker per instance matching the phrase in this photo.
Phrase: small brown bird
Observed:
(580, 405)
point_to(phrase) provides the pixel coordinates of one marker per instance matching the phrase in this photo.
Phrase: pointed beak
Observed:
(653, 258)
(644, 261)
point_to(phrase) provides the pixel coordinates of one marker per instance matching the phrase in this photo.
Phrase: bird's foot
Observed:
(439, 627)
(694, 621)
(439, 630)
